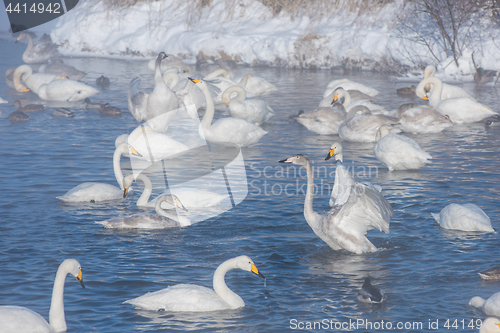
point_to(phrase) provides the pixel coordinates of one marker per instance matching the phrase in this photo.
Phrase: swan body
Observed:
(160, 220)
(96, 192)
(399, 152)
(194, 298)
(65, 90)
(257, 86)
(17, 319)
(363, 127)
(357, 209)
(491, 306)
(466, 217)
(146, 106)
(32, 81)
(491, 273)
(226, 131)
(324, 120)
(191, 198)
(37, 52)
(449, 91)
(490, 325)
(59, 68)
(240, 107)
(423, 119)
(156, 146)
(370, 294)
(344, 97)
(349, 85)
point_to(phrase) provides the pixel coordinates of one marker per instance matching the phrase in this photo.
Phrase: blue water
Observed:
(427, 273)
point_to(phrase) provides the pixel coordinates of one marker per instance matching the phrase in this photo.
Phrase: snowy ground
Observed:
(248, 33)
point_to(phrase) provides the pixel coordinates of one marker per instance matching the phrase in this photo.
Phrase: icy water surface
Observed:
(428, 274)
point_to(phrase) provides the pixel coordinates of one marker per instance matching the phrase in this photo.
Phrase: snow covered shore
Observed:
(248, 32)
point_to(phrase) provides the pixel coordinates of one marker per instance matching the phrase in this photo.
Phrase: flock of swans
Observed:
(348, 109)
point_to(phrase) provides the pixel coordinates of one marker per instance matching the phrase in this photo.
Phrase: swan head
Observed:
(339, 95)
(22, 35)
(73, 267)
(127, 182)
(246, 264)
(297, 159)
(335, 150)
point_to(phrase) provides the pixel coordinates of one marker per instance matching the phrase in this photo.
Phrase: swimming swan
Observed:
(466, 217)
(357, 209)
(240, 107)
(399, 152)
(323, 120)
(349, 85)
(191, 198)
(370, 294)
(194, 298)
(422, 119)
(491, 306)
(460, 110)
(32, 81)
(449, 91)
(229, 130)
(363, 127)
(344, 97)
(18, 319)
(146, 106)
(37, 52)
(160, 220)
(96, 192)
(65, 90)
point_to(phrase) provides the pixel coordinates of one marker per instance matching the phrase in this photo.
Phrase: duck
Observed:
(407, 91)
(357, 209)
(146, 106)
(195, 298)
(65, 90)
(32, 81)
(399, 152)
(18, 117)
(160, 220)
(257, 110)
(460, 110)
(97, 192)
(229, 130)
(323, 120)
(492, 121)
(111, 111)
(370, 294)
(449, 91)
(422, 119)
(89, 105)
(490, 307)
(28, 107)
(37, 53)
(102, 82)
(63, 113)
(191, 198)
(57, 67)
(466, 217)
(344, 97)
(18, 319)
(361, 125)
(482, 76)
(349, 85)
(491, 273)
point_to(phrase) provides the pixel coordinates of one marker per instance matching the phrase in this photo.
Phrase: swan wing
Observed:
(17, 319)
(236, 131)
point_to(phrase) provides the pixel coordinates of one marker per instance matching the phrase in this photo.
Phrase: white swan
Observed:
(160, 220)
(491, 306)
(37, 52)
(357, 209)
(343, 180)
(449, 91)
(240, 107)
(399, 152)
(490, 325)
(65, 90)
(17, 319)
(191, 198)
(170, 62)
(256, 86)
(161, 100)
(363, 127)
(96, 192)
(344, 97)
(58, 67)
(228, 131)
(154, 146)
(194, 298)
(466, 217)
(370, 294)
(460, 110)
(32, 81)
(323, 120)
(349, 85)
(221, 79)
(422, 119)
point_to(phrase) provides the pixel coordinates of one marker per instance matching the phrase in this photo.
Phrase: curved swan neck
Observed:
(244, 79)
(29, 49)
(56, 313)
(146, 193)
(240, 97)
(309, 213)
(436, 90)
(352, 112)
(220, 287)
(23, 71)
(119, 151)
(182, 222)
(171, 79)
(210, 109)
(217, 73)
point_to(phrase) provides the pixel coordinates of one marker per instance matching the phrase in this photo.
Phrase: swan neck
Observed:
(352, 112)
(437, 90)
(240, 97)
(347, 98)
(217, 73)
(309, 212)
(220, 287)
(160, 211)
(119, 151)
(56, 313)
(244, 79)
(209, 110)
(22, 71)
(146, 193)
(30, 44)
